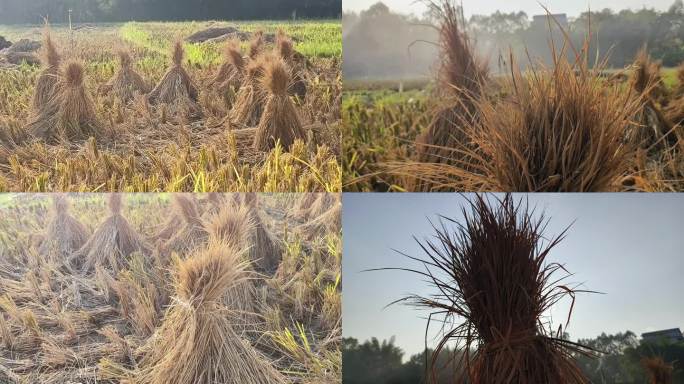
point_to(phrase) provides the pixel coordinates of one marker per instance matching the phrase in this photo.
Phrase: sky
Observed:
(531, 7)
(629, 247)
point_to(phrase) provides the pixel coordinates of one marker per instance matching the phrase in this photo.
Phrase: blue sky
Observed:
(629, 246)
(532, 7)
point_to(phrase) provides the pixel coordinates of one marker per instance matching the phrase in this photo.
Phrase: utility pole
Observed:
(71, 31)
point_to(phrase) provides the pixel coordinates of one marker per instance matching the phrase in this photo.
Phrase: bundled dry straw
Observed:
(231, 73)
(48, 79)
(233, 225)
(190, 235)
(562, 129)
(111, 244)
(658, 371)
(279, 122)
(265, 252)
(250, 100)
(64, 234)
(70, 114)
(256, 45)
(196, 342)
(323, 216)
(126, 82)
(654, 125)
(176, 87)
(491, 271)
(461, 80)
(286, 51)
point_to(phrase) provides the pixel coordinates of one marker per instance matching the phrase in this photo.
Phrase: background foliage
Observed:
(375, 362)
(32, 11)
(383, 44)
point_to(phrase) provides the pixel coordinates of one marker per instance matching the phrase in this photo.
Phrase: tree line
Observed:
(382, 362)
(381, 43)
(91, 11)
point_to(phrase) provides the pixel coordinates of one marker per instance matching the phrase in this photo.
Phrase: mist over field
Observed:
(380, 43)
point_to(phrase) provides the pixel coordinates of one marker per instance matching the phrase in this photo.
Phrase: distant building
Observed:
(674, 334)
(542, 21)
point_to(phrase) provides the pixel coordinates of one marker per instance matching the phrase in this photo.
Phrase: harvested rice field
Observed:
(170, 288)
(172, 107)
(564, 126)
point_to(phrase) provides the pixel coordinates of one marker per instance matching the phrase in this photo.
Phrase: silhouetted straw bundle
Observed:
(491, 272)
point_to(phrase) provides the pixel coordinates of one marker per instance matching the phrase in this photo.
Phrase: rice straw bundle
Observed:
(658, 371)
(250, 99)
(286, 51)
(230, 74)
(176, 88)
(70, 114)
(674, 113)
(126, 82)
(65, 234)
(328, 219)
(111, 244)
(48, 79)
(491, 271)
(461, 80)
(233, 225)
(171, 226)
(561, 129)
(191, 234)
(647, 81)
(647, 77)
(265, 252)
(197, 342)
(256, 45)
(279, 121)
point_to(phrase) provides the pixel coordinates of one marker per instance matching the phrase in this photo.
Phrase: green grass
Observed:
(315, 39)
(670, 77)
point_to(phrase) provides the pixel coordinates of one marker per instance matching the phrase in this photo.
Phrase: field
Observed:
(562, 126)
(142, 288)
(149, 147)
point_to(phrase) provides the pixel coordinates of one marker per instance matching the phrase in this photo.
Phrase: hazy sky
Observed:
(631, 247)
(531, 7)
